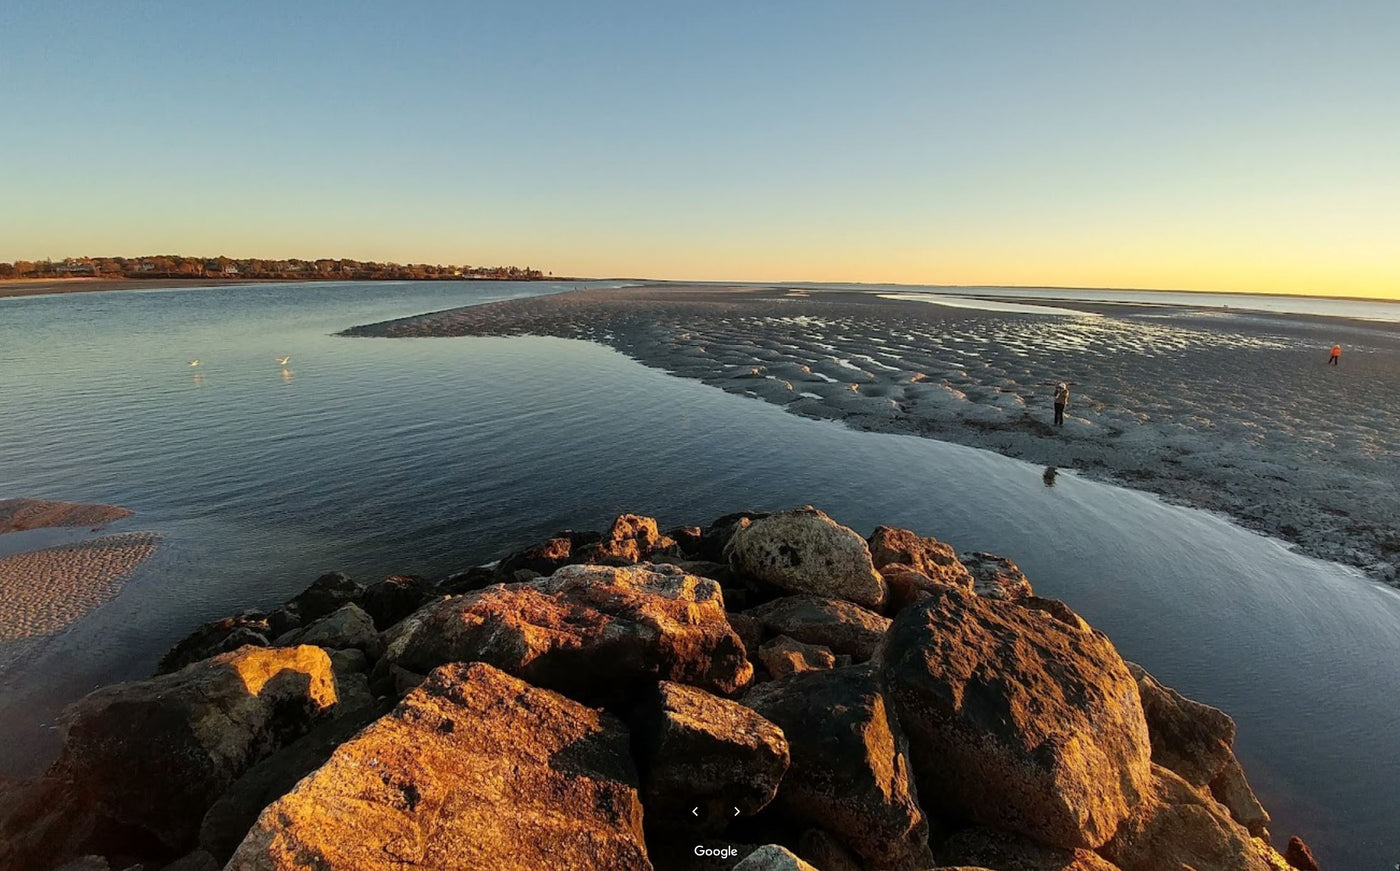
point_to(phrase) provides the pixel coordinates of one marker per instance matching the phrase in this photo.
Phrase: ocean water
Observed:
(427, 455)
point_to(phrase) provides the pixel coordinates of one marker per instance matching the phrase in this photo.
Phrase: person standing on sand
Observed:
(1061, 400)
(1336, 357)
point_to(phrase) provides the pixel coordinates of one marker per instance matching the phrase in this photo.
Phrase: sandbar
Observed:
(45, 591)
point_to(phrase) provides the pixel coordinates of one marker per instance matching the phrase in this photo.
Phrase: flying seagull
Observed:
(194, 362)
(282, 361)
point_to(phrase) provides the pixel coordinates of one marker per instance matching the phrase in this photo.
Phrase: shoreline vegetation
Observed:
(649, 700)
(87, 274)
(1235, 415)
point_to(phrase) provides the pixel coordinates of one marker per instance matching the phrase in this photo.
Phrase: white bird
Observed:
(282, 361)
(194, 362)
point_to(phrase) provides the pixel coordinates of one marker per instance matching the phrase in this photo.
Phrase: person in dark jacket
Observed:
(1061, 400)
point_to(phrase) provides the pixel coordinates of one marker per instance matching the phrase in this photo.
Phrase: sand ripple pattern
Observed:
(21, 514)
(44, 591)
(1230, 411)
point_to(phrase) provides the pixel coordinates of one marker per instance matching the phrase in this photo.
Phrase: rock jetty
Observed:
(769, 691)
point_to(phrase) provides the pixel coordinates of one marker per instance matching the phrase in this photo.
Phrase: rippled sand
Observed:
(17, 515)
(1230, 411)
(44, 591)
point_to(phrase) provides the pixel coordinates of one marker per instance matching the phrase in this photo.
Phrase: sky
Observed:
(1242, 146)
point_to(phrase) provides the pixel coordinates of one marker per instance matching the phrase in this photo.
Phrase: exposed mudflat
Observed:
(18, 515)
(1231, 411)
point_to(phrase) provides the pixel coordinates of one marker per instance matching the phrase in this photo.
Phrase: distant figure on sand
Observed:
(1061, 400)
(1336, 356)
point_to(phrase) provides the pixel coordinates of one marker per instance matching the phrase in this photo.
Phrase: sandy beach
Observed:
(1232, 411)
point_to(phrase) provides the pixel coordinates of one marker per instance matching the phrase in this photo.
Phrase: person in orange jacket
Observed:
(1336, 357)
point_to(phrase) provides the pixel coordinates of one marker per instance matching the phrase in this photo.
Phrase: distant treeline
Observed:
(175, 266)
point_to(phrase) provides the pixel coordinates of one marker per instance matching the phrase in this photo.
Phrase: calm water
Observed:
(427, 455)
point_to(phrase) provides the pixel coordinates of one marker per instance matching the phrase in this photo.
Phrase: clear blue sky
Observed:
(1239, 145)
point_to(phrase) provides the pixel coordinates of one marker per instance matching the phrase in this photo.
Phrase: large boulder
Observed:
(705, 760)
(1196, 742)
(929, 556)
(475, 770)
(715, 538)
(839, 626)
(591, 632)
(148, 758)
(544, 558)
(327, 593)
(850, 770)
(346, 628)
(1177, 826)
(983, 847)
(996, 577)
(805, 551)
(1017, 719)
(215, 637)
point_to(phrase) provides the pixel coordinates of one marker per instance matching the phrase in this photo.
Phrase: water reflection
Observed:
(286, 375)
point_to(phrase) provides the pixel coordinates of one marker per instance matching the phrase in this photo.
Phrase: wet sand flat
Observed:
(40, 286)
(44, 591)
(18, 515)
(1230, 411)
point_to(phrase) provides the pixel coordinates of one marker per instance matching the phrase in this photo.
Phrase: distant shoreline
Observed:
(14, 287)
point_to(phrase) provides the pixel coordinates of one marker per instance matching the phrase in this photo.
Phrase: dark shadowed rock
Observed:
(466, 581)
(749, 630)
(326, 594)
(687, 538)
(199, 860)
(1177, 827)
(832, 623)
(927, 555)
(215, 637)
(698, 750)
(474, 771)
(984, 847)
(347, 627)
(996, 577)
(85, 863)
(227, 822)
(592, 632)
(1017, 720)
(394, 598)
(1299, 856)
(805, 551)
(849, 773)
(148, 758)
(822, 851)
(784, 656)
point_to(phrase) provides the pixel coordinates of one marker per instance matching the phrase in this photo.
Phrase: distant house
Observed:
(145, 266)
(230, 269)
(71, 268)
